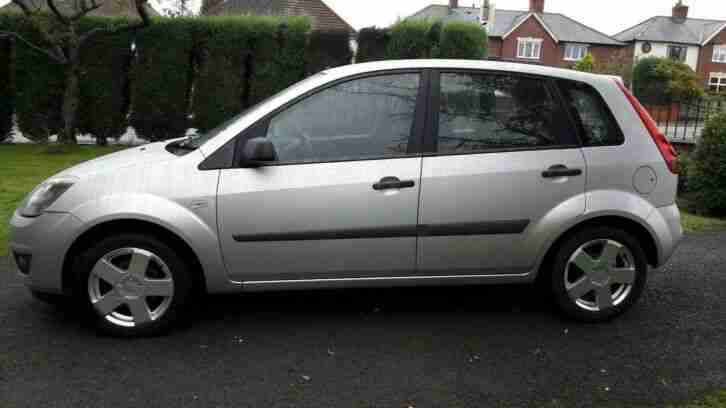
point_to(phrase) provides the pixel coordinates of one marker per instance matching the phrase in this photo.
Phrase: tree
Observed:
(660, 79)
(586, 64)
(64, 41)
(620, 63)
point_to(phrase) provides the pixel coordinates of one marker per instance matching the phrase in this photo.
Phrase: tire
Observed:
(593, 263)
(133, 285)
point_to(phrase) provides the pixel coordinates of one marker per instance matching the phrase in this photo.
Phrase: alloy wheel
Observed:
(130, 287)
(600, 274)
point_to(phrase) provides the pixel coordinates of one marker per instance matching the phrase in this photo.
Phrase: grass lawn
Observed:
(715, 400)
(22, 167)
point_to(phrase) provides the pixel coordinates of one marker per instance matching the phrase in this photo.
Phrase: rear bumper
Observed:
(43, 240)
(666, 224)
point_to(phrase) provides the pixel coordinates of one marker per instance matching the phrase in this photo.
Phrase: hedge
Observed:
(412, 39)
(372, 44)
(707, 167)
(161, 78)
(463, 40)
(221, 75)
(279, 55)
(328, 50)
(104, 98)
(6, 91)
(38, 83)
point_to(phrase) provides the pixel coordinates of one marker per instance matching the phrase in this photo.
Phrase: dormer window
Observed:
(529, 48)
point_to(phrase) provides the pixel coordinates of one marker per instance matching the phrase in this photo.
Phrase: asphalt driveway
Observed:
(446, 347)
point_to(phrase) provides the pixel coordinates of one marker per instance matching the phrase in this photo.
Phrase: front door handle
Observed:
(389, 183)
(560, 170)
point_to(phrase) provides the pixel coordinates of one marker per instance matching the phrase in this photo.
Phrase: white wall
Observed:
(661, 50)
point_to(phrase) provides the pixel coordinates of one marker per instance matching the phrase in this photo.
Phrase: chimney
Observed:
(680, 11)
(488, 12)
(453, 4)
(536, 6)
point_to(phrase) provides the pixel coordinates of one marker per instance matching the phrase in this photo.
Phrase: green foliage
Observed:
(413, 39)
(659, 79)
(707, 172)
(161, 79)
(327, 50)
(104, 81)
(6, 90)
(221, 74)
(372, 44)
(279, 55)
(463, 41)
(586, 64)
(38, 81)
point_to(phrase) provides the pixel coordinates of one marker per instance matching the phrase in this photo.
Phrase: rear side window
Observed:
(482, 111)
(595, 121)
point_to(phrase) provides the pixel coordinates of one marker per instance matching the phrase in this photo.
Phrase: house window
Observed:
(717, 83)
(529, 48)
(575, 52)
(677, 52)
(719, 53)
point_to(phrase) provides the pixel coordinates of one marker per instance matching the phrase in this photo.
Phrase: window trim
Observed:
(719, 77)
(431, 135)
(721, 51)
(538, 41)
(586, 48)
(261, 126)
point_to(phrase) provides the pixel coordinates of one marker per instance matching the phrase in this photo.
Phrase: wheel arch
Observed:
(112, 227)
(628, 224)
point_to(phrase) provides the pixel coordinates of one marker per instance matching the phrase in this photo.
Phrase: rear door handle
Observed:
(560, 170)
(389, 183)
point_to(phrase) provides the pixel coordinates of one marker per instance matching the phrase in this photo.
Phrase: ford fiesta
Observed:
(383, 174)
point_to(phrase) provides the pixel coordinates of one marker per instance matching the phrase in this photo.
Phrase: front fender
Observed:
(196, 227)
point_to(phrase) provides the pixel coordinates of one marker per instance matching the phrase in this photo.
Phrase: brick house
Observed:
(534, 35)
(323, 18)
(699, 43)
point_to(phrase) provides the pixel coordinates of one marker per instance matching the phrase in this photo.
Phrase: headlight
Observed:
(44, 195)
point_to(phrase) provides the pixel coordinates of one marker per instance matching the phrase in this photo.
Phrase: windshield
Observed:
(194, 141)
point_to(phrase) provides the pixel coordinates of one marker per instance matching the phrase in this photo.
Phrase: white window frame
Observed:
(717, 79)
(575, 51)
(719, 54)
(535, 48)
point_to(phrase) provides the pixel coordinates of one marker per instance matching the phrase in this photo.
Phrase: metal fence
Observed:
(682, 121)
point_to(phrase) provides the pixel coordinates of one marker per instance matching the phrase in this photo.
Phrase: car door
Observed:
(341, 200)
(502, 155)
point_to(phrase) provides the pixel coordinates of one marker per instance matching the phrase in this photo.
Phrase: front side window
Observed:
(597, 124)
(364, 118)
(529, 48)
(677, 52)
(717, 83)
(480, 112)
(719, 54)
(575, 52)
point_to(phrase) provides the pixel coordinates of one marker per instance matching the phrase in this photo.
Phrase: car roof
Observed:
(488, 65)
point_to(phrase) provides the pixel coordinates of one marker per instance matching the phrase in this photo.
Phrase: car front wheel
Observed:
(134, 285)
(598, 274)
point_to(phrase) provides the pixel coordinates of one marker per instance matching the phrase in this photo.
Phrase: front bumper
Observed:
(44, 240)
(666, 223)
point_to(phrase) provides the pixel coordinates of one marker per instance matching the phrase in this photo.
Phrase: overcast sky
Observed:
(610, 16)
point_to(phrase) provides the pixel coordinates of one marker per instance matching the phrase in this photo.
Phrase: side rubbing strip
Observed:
(475, 228)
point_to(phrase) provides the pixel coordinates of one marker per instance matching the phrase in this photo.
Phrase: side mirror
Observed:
(258, 151)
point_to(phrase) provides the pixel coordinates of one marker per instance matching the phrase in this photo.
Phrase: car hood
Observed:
(150, 153)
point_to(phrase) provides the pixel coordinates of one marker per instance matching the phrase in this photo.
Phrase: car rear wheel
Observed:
(134, 285)
(598, 274)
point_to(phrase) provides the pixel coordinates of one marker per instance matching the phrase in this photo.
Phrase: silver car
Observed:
(426, 172)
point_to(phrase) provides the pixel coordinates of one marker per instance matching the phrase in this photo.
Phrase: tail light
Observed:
(666, 148)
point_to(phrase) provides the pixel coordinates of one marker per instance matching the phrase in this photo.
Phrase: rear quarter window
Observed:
(595, 122)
